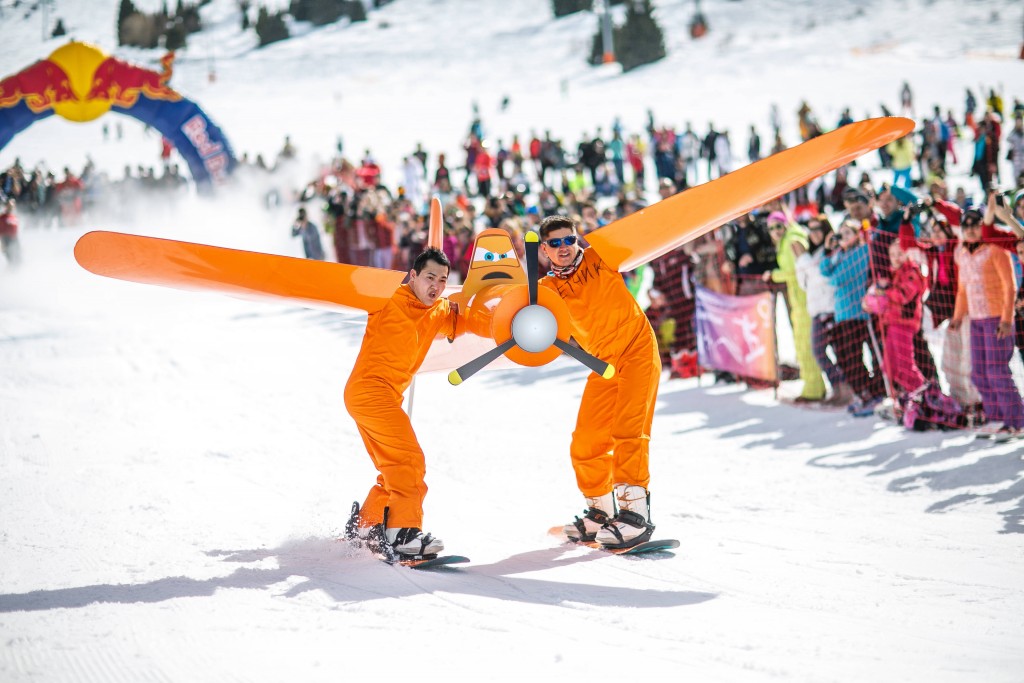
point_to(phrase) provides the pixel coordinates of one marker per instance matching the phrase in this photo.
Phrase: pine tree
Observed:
(189, 15)
(59, 29)
(299, 9)
(322, 12)
(566, 7)
(271, 27)
(243, 6)
(175, 37)
(640, 40)
(356, 11)
(126, 9)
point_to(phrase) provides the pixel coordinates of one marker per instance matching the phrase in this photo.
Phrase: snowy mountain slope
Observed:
(411, 73)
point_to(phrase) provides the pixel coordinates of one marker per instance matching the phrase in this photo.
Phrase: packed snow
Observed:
(176, 468)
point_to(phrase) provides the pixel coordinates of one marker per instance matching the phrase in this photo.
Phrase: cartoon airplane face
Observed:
(496, 292)
(494, 263)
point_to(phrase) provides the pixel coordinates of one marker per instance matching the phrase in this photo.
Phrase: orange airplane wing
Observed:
(658, 229)
(247, 274)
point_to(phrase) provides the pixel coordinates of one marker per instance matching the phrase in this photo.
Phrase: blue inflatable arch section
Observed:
(200, 142)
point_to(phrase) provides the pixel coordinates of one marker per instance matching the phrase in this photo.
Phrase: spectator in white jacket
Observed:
(821, 307)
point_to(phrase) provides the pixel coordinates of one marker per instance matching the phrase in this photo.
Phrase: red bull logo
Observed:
(120, 83)
(41, 86)
(79, 82)
(215, 160)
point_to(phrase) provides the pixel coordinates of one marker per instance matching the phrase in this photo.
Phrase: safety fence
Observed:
(859, 317)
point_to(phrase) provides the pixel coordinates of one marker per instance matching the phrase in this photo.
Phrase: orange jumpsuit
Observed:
(396, 342)
(613, 428)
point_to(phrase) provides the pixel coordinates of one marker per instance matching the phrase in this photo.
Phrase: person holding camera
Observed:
(846, 265)
(303, 227)
(1015, 147)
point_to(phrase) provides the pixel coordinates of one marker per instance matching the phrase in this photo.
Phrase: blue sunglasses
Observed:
(556, 242)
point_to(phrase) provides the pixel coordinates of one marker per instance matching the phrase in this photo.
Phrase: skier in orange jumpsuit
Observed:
(396, 341)
(611, 441)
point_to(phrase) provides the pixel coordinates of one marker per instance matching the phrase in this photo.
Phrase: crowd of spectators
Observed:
(858, 257)
(867, 259)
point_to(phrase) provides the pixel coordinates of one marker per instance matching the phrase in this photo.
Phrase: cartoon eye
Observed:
(485, 255)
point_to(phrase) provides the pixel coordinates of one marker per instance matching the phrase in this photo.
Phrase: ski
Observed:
(661, 545)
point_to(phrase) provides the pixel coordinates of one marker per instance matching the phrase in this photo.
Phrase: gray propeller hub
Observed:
(534, 328)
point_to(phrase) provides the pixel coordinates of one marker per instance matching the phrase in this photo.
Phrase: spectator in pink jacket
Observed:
(901, 317)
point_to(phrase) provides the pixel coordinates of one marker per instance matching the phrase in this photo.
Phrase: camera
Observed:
(916, 208)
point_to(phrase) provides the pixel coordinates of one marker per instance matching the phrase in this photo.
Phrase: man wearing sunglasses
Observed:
(610, 444)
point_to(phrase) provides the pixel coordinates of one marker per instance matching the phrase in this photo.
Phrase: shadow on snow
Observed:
(347, 575)
(954, 463)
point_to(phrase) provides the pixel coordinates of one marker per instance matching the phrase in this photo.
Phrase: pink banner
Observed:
(737, 333)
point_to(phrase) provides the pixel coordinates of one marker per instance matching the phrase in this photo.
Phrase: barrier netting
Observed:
(920, 321)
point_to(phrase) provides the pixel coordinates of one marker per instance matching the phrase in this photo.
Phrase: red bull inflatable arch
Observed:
(81, 83)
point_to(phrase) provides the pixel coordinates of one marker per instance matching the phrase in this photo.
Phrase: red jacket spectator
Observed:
(9, 221)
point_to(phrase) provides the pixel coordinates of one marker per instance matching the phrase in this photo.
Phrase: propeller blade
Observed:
(532, 246)
(459, 375)
(606, 370)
